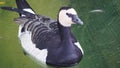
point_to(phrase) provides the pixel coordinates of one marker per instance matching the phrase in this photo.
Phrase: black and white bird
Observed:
(46, 40)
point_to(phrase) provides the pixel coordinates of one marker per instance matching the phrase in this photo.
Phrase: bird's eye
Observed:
(69, 15)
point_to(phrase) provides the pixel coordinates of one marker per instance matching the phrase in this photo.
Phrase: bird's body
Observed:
(47, 40)
(37, 31)
(40, 30)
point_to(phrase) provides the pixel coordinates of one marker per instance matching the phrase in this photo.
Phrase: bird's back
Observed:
(41, 28)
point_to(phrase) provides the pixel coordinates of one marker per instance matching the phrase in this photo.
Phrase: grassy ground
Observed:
(10, 49)
(99, 37)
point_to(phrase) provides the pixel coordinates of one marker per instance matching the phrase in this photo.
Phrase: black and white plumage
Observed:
(47, 40)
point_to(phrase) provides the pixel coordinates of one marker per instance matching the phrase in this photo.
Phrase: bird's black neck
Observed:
(65, 32)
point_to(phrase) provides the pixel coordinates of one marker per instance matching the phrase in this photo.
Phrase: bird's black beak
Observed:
(77, 20)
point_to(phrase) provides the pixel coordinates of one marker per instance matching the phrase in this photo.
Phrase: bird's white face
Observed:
(68, 17)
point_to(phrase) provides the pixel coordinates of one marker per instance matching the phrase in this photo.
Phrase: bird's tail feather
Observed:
(26, 13)
(23, 5)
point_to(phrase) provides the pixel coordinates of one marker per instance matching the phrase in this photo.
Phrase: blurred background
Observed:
(99, 37)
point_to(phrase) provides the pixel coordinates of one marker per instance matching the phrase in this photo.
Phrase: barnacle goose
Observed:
(47, 40)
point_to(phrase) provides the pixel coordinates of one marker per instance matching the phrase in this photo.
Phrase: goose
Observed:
(48, 41)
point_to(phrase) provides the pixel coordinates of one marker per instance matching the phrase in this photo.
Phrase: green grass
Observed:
(99, 37)
(10, 49)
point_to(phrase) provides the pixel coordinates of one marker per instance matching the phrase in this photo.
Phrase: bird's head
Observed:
(68, 16)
